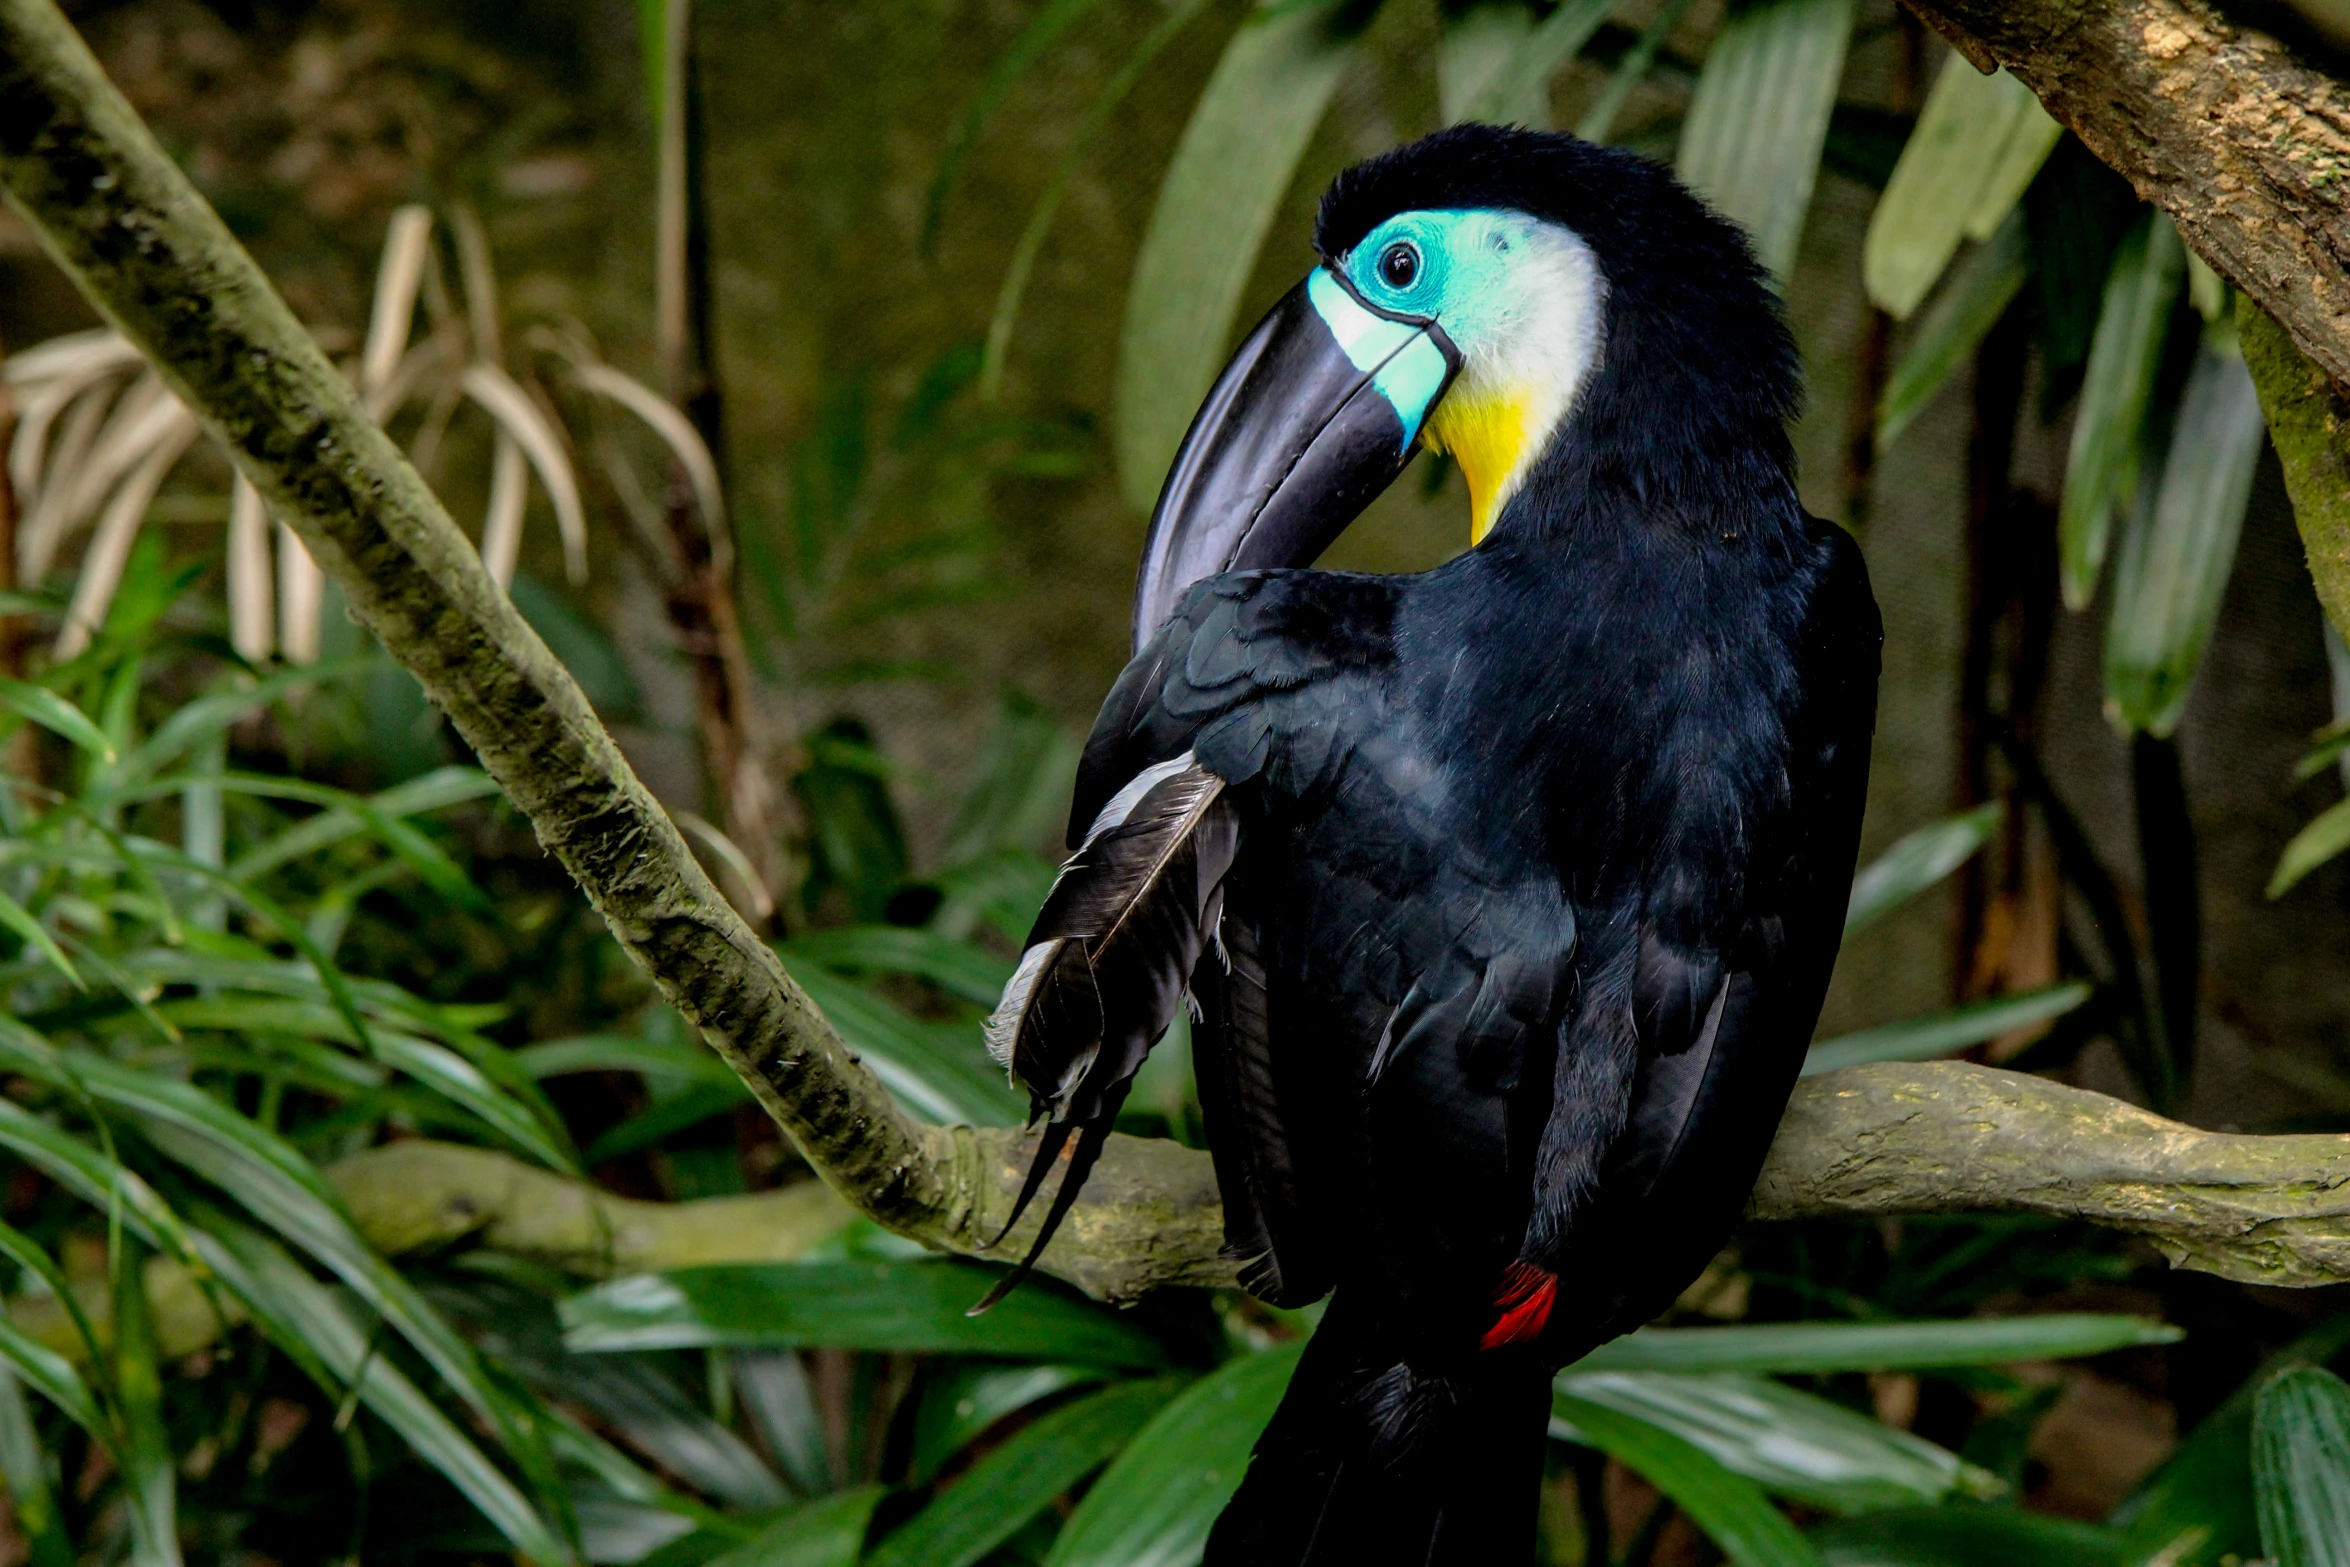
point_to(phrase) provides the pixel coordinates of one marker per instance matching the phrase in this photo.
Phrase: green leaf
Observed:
(1018, 1480)
(2301, 1467)
(1967, 1537)
(1917, 861)
(212, 714)
(1952, 169)
(970, 973)
(433, 791)
(28, 1471)
(36, 935)
(666, 1117)
(678, 1061)
(1925, 1038)
(920, 1307)
(1954, 326)
(1514, 85)
(960, 1402)
(2176, 555)
(2101, 469)
(52, 1376)
(825, 1533)
(1600, 119)
(1791, 1443)
(942, 1073)
(1155, 1503)
(1043, 30)
(2325, 837)
(1751, 145)
(2026, 151)
(1234, 163)
(1731, 1509)
(286, 1193)
(310, 1323)
(149, 1470)
(39, 705)
(1781, 1348)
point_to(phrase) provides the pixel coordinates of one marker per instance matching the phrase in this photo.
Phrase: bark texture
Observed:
(2245, 145)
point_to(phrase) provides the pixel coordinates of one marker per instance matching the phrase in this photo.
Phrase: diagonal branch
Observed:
(153, 257)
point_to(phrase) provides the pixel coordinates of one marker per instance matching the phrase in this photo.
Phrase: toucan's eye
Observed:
(1399, 265)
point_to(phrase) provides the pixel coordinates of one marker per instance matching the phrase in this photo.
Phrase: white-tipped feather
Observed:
(1122, 803)
(1003, 1025)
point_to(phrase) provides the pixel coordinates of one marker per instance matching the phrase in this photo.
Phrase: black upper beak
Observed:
(1315, 415)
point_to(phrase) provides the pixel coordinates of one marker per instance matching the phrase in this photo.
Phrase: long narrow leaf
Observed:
(1973, 1537)
(2301, 1468)
(1043, 30)
(39, 705)
(26, 1468)
(1519, 88)
(2325, 837)
(1791, 1443)
(920, 1307)
(2101, 469)
(1015, 1482)
(1917, 861)
(1600, 119)
(149, 1473)
(307, 1321)
(962, 969)
(1954, 326)
(1939, 1034)
(2176, 556)
(1231, 168)
(1758, 120)
(959, 1403)
(1788, 1348)
(16, 917)
(1154, 1505)
(1961, 134)
(433, 791)
(829, 1532)
(942, 1074)
(1731, 1509)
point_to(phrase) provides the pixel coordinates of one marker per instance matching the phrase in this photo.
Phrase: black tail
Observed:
(1369, 1463)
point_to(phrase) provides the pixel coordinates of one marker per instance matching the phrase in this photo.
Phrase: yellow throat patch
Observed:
(1485, 432)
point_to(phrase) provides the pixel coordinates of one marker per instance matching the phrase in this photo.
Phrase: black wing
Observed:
(1709, 1020)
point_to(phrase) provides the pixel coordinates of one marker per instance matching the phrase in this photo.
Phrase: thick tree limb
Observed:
(144, 247)
(2246, 146)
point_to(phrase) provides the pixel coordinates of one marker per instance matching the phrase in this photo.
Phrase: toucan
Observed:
(1505, 894)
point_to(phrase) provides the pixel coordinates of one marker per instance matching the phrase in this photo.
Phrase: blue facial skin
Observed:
(1446, 264)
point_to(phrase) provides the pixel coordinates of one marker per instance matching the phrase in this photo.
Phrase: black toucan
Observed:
(1506, 892)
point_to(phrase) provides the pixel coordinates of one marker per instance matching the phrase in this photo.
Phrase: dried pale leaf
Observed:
(520, 418)
(666, 420)
(301, 593)
(110, 546)
(397, 278)
(731, 855)
(73, 356)
(84, 406)
(142, 416)
(501, 528)
(251, 628)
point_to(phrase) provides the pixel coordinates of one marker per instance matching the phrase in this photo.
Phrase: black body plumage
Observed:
(1529, 871)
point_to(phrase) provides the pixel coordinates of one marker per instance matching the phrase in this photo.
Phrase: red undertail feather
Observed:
(1525, 1298)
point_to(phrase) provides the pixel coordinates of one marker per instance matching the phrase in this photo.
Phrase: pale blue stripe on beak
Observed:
(1403, 362)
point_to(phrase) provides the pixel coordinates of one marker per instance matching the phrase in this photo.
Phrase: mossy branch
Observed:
(153, 257)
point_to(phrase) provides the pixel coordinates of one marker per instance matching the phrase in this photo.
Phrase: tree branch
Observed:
(148, 252)
(2245, 145)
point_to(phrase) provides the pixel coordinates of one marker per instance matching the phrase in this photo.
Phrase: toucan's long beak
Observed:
(1315, 415)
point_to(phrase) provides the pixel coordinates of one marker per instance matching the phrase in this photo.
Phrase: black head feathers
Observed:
(1698, 375)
